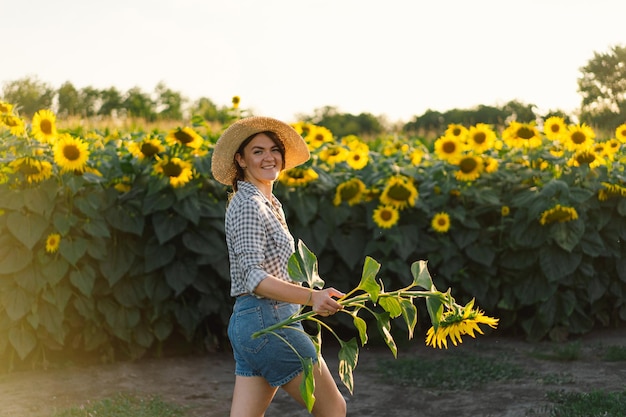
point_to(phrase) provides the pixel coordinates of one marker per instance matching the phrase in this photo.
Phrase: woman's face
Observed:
(262, 160)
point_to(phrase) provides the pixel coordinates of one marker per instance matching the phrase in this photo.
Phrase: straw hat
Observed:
(223, 159)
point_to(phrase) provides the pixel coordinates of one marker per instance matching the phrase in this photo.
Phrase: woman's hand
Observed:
(323, 301)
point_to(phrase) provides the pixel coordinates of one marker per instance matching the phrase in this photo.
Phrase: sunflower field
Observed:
(112, 242)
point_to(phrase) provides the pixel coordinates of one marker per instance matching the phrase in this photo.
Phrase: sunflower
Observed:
(416, 156)
(44, 126)
(448, 148)
(441, 222)
(178, 171)
(481, 138)
(318, 136)
(491, 164)
(586, 157)
(579, 137)
(393, 147)
(505, 211)
(457, 131)
(357, 159)
(522, 136)
(52, 242)
(15, 124)
(33, 169)
(70, 153)
(386, 216)
(457, 322)
(612, 147)
(147, 148)
(610, 191)
(185, 136)
(236, 100)
(5, 107)
(470, 168)
(350, 191)
(333, 154)
(620, 133)
(297, 177)
(399, 192)
(559, 214)
(554, 128)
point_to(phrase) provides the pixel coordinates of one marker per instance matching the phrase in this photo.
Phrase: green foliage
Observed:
(591, 404)
(123, 405)
(456, 371)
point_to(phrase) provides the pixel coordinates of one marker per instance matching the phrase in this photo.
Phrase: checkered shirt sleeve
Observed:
(258, 243)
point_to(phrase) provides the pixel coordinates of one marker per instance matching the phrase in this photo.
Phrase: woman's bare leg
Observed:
(329, 401)
(251, 396)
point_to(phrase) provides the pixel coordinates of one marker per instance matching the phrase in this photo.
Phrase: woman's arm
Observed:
(322, 301)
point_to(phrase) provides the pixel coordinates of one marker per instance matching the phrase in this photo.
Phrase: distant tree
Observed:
(28, 94)
(68, 100)
(139, 104)
(603, 89)
(205, 108)
(89, 101)
(430, 121)
(344, 124)
(169, 103)
(523, 113)
(112, 102)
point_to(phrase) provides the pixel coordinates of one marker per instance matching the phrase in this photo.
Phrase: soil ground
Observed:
(204, 383)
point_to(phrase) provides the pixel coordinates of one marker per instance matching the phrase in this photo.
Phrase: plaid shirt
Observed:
(258, 239)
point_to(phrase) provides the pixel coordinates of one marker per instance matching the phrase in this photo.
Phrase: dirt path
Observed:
(204, 383)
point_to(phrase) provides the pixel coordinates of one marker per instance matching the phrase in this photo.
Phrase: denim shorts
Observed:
(267, 355)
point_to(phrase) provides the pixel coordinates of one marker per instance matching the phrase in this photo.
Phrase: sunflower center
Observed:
(386, 215)
(525, 133)
(29, 169)
(468, 165)
(183, 137)
(449, 147)
(399, 192)
(586, 158)
(71, 152)
(456, 131)
(441, 221)
(149, 149)
(578, 138)
(349, 191)
(555, 128)
(172, 169)
(296, 173)
(46, 127)
(479, 138)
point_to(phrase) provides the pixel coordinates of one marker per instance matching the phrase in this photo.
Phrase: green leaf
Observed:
(13, 255)
(302, 267)
(143, 336)
(567, 235)
(368, 279)
(52, 319)
(16, 302)
(96, 228)
(434, 306)
(84, 278)
(158, 202)
(72, 249)
(481, 252)
(189, 208)
(126, 218)
(205, 241)
(27, 228)
(64, 223)
(55, 270)
(167, 225)
(40, 199)
(556, 263)
(23, 340)
(391, 305)
(181, 274)
(361, 326)
(384, 327)
(304, 205)
(350, 246)
(118, 262)
(307, 385)
(162, 328)
(59, 295)
(157, 256)
(409, 313)
(348, 358)
(421, 275)
(11, 199)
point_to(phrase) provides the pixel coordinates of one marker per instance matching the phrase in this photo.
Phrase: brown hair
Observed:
(240, 175)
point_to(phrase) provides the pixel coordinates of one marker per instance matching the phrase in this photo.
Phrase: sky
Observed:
(391, 58)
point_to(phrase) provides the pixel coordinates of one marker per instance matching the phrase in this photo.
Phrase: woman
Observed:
(249, 156)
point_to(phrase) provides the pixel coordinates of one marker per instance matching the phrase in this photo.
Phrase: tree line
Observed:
(602, 87)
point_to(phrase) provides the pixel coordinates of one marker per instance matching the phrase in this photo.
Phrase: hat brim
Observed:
(223, 159)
